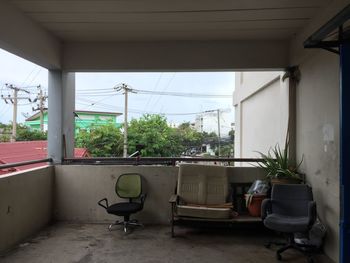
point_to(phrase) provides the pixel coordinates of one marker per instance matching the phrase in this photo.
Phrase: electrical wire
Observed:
(159, 93)
(154, 88)
(183, 94)
(138, 111)
(166, 87)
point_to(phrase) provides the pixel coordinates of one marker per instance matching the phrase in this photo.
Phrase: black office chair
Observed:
(128, 186)
(291, 210)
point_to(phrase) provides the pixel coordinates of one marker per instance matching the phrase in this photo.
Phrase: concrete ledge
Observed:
(78, 188)
(25, 204)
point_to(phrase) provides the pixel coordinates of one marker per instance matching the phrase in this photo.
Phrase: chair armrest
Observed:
(173, 198)
(143, 198)
(266, 208)
(312, 212)
(105, 206)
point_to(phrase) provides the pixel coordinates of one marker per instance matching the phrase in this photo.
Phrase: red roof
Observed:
(14, 152)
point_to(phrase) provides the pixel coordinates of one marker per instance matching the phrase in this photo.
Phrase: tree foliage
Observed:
(210, 138)
(24, 133)
(153, 132)
(189, 140)
(101, 141)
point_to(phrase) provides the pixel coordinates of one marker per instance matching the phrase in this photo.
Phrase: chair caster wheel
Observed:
(279, 257)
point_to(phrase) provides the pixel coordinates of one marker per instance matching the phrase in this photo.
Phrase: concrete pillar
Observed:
(61, 93)
(68, 120)
(294, 78)
(344, 153)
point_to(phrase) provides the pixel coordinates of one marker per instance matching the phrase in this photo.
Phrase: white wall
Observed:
(318, 123)
(261, 121)
(25, 204)
(318, 138)
(261, 108)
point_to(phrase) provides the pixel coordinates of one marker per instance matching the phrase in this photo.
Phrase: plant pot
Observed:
(285, 181)
(254, 207)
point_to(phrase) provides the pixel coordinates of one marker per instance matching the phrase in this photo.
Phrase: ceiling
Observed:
(157, 20)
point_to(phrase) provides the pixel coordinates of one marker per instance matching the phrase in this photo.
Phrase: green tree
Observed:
(231, 133)
(5, 132)
(101, 141)
(210, 138)
(24, 133)
(153, 132)
(189, 139)
(226, 150)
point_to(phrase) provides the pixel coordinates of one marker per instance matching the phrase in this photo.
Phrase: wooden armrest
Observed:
(173, 198)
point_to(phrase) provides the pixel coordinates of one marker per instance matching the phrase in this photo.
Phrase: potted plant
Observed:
(254, 197)
(278, 166)
(253, 203)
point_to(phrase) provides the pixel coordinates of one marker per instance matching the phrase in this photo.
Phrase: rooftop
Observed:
(37, 115)
(14, 152)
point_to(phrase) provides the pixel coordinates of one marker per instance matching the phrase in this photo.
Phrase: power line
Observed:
(159, 93)
(155, 87)
(28, 76)
(34, 78)
(138, 111)
(166, 87)
(183, 94)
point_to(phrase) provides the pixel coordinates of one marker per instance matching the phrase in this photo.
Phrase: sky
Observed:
(94, 91)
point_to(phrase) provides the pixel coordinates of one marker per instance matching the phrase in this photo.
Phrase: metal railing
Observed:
(12, 165)
(170, 161)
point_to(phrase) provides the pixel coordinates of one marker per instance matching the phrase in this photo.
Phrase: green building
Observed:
(83, 119)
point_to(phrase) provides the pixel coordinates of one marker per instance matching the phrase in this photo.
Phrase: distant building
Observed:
(83, 119)
(208, 122)
(14, 152)
(173, 124)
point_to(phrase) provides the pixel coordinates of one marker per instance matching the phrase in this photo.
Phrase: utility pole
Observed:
(14, 100)
(125, 89)
(219, 139)
(14, 115)
(125, 149)
(41, 106)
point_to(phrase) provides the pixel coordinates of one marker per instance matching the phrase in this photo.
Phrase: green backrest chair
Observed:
(128, 186)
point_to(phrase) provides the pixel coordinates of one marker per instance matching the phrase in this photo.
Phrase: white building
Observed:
(211, 120)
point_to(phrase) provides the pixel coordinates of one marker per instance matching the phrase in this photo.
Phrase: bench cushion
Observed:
(203, 212)
(202, 184)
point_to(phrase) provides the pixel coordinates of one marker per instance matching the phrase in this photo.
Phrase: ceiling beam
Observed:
(176, 55)
(23, 37)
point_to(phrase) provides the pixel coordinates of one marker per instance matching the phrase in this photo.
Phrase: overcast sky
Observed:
(17, 71)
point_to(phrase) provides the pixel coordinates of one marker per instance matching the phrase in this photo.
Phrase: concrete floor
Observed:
(85, 243)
